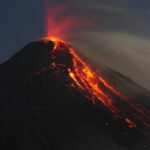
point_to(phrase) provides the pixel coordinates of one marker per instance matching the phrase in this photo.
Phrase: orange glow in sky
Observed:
(59, 23)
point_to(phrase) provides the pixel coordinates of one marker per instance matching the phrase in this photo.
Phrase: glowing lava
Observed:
(59, 23)
(77, 74)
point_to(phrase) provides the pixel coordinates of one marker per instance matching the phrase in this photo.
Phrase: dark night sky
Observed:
(120, 39)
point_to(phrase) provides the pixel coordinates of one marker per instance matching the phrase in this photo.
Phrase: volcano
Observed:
(52, 99)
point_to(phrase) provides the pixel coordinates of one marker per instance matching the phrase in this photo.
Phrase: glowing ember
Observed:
(131, 124)
(78, 74)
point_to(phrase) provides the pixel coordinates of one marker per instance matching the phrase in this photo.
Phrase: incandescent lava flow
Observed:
(77, 74)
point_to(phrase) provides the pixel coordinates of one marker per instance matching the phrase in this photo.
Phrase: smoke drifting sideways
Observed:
(60, 26)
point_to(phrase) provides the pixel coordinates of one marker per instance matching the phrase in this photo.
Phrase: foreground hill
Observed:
(39, 111)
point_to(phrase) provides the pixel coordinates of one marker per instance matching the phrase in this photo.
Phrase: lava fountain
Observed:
(59, 23)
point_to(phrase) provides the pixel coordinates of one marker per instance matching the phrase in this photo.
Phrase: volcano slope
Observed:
(44, 104)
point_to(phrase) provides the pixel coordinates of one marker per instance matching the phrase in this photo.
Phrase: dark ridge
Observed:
(39, 112)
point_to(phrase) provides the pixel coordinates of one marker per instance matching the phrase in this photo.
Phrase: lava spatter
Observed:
(76, 73)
